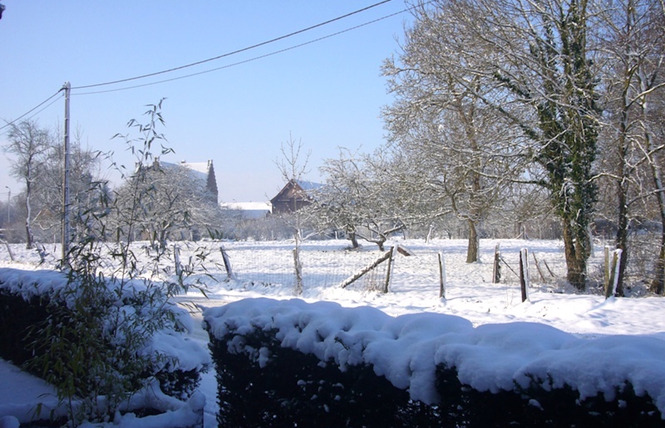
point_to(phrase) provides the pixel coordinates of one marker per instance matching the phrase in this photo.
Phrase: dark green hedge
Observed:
(20, 320)
(540, 407)
(284, 387)
(296, 389)
(17, 318)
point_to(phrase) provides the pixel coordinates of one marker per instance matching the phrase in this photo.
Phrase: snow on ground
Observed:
(265, 269)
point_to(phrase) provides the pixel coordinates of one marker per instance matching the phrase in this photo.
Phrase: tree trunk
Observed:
(474, 243)
(162, 239)
(658, 284)
(622, 237)
(28, 229)
(576, 257)
(354, 239)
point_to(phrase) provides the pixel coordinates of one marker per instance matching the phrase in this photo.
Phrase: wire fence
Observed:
(331, 265)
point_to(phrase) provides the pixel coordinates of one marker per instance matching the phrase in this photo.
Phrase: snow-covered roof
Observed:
(198, 170)
(202, 167)
(246, 206)
(249, 210)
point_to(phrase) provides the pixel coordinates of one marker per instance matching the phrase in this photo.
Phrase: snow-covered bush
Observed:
(261, 383)
(293, 359)
(98, 341)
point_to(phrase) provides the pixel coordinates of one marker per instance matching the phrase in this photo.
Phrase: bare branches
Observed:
(294, 162)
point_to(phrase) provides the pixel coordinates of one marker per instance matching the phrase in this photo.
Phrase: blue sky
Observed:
(327, 94)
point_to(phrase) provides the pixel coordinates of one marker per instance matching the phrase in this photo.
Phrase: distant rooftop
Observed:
(246, 206)
(248, 210)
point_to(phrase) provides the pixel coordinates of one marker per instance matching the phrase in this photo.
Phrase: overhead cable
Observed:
(247, 60)
(143, 76)
(8, 124)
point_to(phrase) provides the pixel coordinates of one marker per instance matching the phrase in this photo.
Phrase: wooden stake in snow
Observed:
(606, 269)
(9, 250)
(389, 271)
(524, 273)
(227, 263)
(548, 268)
(496, 271)
(612, 272)
(442, 276)
(176, 258)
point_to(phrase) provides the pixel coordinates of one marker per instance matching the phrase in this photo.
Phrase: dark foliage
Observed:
(17, 317)
(263, 384)
(463, 406)
(296, 389)
(21, 322)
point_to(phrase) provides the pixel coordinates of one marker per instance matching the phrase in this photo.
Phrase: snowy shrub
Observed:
(261, 383)
(291, 360)
(539, 405)
(98, 341)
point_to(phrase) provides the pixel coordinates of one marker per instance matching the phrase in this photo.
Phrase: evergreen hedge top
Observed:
(407, 349)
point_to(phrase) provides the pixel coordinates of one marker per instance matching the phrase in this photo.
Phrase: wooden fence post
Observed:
(442, 276)
(496, 270)
(176, 260)
(227, 263)
(9, 250)
(524, 273)
(612, 272)
(389, 271)
(548, 268)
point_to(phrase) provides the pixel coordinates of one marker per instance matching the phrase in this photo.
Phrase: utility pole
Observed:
(65, 183)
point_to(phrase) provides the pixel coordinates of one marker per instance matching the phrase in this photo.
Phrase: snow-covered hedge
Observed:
(37, 305)
(456, 373)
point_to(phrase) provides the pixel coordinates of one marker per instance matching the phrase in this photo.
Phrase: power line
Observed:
(216, 58)
(8, 124)
(42, 109)
(232, 52)
(256, 58)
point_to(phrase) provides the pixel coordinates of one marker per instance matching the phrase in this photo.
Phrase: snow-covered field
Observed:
(265, 269)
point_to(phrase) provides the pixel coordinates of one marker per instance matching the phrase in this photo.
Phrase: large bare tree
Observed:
(632, 55)
(28, 143)
(466, 151)
(530, 62)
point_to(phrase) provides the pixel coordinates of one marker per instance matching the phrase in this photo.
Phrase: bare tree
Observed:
(85, 187)
(632, 53)
(529, 62)
(29, 144)
(440, 121)
(364, 197)
(293, 163)
(335, 204)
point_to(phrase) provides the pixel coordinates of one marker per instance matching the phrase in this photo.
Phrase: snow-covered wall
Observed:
(408, 349)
